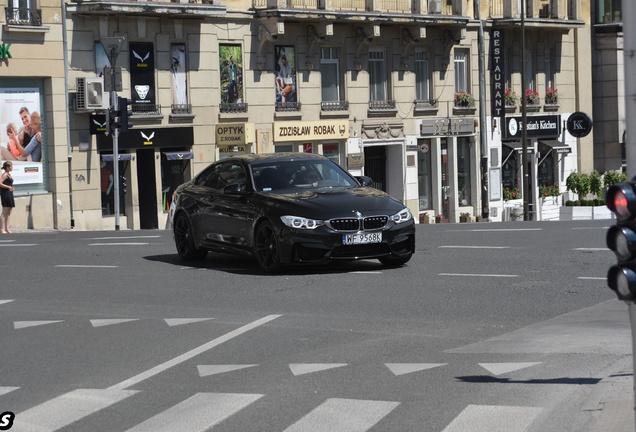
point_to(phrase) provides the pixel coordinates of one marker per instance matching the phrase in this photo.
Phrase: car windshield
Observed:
(299, 174)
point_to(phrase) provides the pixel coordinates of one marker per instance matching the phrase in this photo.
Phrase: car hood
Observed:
(331, 202)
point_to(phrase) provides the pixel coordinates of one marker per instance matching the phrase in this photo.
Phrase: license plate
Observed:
(362, 238)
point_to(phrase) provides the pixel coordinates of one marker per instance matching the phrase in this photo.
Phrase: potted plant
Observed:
(551, 96)
(464, 100)
(424, 219)
(550, 208)
(439, 218)
(511, 98)
(511, 194)
(532, 97)
(464, 217)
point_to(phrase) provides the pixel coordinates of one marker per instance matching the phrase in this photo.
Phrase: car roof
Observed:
(275, 157)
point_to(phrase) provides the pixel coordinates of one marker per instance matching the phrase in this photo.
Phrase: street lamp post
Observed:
(526, 186)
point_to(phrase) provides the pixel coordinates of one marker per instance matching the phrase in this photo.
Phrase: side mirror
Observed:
(365, 180)
(234, 189)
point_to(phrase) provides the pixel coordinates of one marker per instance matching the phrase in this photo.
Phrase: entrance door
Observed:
(375, 166)
(445, 178)
(147, 189)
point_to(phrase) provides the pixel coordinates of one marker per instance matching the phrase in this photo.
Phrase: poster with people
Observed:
(231, 62)
(285, 74)
(23, 142)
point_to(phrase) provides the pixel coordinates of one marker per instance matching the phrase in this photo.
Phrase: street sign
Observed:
(579, 124)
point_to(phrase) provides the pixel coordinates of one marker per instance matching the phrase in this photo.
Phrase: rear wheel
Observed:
(184, 240)
(394, 260)
(266, 248)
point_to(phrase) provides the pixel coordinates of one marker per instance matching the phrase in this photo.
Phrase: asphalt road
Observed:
(490, 327)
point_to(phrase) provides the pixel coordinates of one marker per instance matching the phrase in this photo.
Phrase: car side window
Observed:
(213, 180)
(231, 173)
(203, 177)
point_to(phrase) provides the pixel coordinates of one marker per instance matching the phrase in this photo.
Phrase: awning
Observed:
(179, 155)
(515, 145)
(557, 145)
(121, 157)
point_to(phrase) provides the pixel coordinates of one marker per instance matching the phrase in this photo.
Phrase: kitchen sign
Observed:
(538, 126)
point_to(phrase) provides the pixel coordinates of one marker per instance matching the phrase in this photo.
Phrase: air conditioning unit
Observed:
(435, 6)
(90, 94)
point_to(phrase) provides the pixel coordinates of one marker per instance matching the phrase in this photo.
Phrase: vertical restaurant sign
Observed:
(142, 73)
(498, 80)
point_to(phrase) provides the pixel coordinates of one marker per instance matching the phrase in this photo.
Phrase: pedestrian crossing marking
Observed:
(484, 418)
(198, 413)
(502, 368)
(107, 322)
(405, 368)
(5, 390)
(5, 301)
(179, 321)
(305, 368)
(67, 408)
(24, 324)
(207, 370)
(340, 415)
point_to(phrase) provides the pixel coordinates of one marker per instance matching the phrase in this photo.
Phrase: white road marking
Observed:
(478, 275)
(197, 413)
(592, 278)
(17, 244)
(207, 370)
(305, 368)
(484, 418)
(474, 247)
(192, 353)
(5, 390)
(367, 272)
(593, 249)
(25, 324)
(590, 228)
(66, 409)
(180, 321)
(122, 238)
(496, 230)
(5, 301)
(107, 322)
(502, 368)
(84, 266)
(348, 415)
(117, 244)
(405, 368)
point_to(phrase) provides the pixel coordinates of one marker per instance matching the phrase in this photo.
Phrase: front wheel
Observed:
(266, 248)
(394, 260)
(184, 240)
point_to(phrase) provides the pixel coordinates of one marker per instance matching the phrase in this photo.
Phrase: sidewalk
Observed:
(613, 398)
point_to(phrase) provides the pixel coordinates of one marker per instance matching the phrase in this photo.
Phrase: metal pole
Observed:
(115, 133)
(483, 136)
(525, 180)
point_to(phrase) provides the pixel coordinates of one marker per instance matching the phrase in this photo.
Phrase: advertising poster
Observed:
(22, 141)
(285, 74)
(179, 76)
(142, 73)
(231, 61)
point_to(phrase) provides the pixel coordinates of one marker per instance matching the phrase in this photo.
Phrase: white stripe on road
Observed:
(194, 352)
(117, 244)
(591, 278)
(367, 272)
(24, 324)
(122, 238)
(66, 409)
(5, 301)
(5, 390)
(477, 275)
(484, 418)
(474, 247)
(348, 415)
(197, 413)
(593, 249)
(495, 230)
(84, 266)
(17, 244)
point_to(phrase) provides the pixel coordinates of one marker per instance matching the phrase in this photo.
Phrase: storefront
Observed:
(326, 137)
(234, 139)
(448, 168)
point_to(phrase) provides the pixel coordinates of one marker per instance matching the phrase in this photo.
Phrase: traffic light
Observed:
(621, 239)
(114, 120)
(124, 113)
(122, 185)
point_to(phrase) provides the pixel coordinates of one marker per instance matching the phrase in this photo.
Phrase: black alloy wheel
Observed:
(184, 240)
(266, 248)
(394, 260)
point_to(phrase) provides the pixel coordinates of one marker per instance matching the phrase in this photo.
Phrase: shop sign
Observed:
(235, 133)
(311, 130)
(4, 51)
(497, 75)
(233, 149)
(579, 124)
(148, 137)
(446, 126)
(538, 126)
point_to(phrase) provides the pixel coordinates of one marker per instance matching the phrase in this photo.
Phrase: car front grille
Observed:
(352, 224)
(360, 251)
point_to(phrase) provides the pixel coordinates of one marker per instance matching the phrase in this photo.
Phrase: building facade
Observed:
(386, 89)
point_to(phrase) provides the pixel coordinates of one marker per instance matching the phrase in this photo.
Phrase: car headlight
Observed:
(403, 216)
(300, 222)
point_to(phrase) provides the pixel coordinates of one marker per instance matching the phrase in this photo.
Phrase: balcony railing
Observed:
(181, 108)
(382, 105)
(552, 9)
(233, 107)
(334, 106)
(146, 109)
(441, 7)
(287, 106)
(23, 16)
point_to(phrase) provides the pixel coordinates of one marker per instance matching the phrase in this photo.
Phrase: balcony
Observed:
(23, 16)
(233, 108)
(287, 106)
(334, 106)
(146, 110)
(563, 13)
(196, 9)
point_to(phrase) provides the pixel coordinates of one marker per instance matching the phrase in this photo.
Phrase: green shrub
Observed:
(610, 178)
(579, 183)
(596, 183)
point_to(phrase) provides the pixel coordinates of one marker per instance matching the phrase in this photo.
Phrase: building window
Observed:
(179, 76)
(464, 172)
(422, 76)
(549, 70)
(108, 185)
(377, 76)
(424, 174)
(332, 151)
(530, 83)
(282, 148)
(546, 171)
(609, 11)
(462, 83)
(330, 74)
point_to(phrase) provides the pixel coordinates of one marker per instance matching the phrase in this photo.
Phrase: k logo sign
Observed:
(4, 51)
(579, 124)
